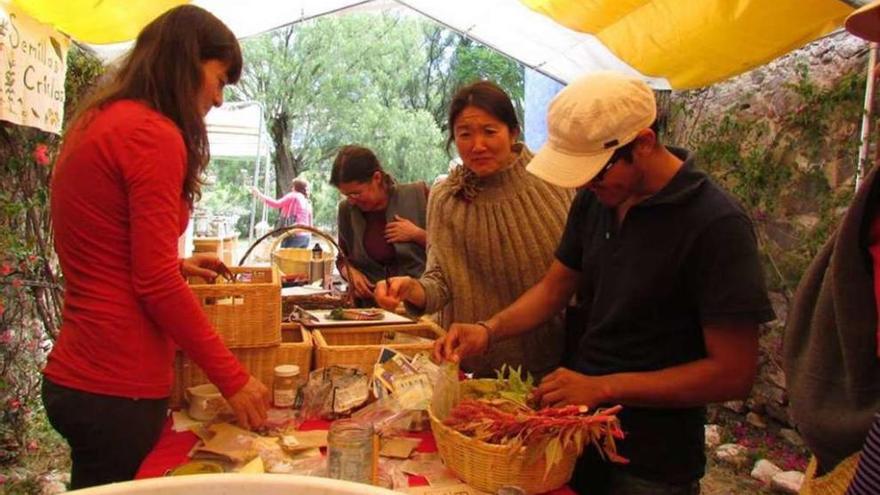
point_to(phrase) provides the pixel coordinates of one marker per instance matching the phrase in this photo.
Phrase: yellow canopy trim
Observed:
(694, 44)
(97, 21)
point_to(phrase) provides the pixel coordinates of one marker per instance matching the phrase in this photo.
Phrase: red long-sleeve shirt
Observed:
(118, 210)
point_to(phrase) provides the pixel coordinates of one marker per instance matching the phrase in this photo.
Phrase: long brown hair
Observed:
(164, 70)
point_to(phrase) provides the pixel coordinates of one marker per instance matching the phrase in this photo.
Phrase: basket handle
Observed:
(284, 232)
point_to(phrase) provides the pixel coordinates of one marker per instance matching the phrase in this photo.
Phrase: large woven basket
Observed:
(258, 361)
(246, 313)
(360, 346)
(488, 467)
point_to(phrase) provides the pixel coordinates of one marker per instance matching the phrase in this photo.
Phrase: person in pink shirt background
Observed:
(296, 209)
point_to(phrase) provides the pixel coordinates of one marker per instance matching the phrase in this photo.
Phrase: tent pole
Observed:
(866, 115)
(254, 204)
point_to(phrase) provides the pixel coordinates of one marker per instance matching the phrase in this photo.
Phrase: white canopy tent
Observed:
(237, 130)
(507, 26)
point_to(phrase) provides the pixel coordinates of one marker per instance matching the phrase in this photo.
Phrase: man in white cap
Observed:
(831, 340)
(666, 268)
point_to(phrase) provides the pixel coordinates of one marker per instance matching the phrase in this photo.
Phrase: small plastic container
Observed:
(285, 385)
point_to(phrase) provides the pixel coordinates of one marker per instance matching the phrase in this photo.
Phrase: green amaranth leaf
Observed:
(552, 455)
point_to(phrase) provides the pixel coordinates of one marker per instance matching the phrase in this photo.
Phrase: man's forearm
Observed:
(688, 385)
(726, 374)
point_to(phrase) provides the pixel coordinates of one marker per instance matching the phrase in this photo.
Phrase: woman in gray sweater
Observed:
(492, 232)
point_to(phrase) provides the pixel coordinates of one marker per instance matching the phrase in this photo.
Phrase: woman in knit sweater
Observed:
(492, 230)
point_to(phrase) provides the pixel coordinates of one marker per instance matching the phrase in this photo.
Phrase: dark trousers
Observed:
(109, 436)
(594, 476)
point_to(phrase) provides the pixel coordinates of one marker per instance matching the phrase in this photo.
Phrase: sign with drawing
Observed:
(33, 62)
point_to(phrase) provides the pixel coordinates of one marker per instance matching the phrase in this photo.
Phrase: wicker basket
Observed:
(488, 467)
(296, 347)
(246, 313)
(289, 260)
(258, 361)
(360, 346)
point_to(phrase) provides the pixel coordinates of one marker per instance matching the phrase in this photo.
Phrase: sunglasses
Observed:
(601, 175)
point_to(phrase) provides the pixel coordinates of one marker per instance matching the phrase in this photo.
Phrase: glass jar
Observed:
(285, 385)
(350, 451)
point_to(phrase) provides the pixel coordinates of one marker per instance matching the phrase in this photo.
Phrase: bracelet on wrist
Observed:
(489, 333)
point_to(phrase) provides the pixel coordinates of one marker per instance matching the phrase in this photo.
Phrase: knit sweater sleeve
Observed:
(437, 292)
(153, 177)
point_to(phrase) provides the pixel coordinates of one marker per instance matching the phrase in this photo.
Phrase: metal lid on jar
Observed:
(286, 370)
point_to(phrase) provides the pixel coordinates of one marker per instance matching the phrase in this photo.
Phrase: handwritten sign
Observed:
(33, 62)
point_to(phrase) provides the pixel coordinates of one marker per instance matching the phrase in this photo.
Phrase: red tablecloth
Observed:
(172, 448)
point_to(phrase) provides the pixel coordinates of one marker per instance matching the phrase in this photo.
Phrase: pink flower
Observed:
(2, 479)
(17, 283)
(41, 155)
(6, 337)
(33, 445)
(5, 268)
(14, 404)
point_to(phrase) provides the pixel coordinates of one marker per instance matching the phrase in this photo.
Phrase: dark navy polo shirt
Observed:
(685, 257)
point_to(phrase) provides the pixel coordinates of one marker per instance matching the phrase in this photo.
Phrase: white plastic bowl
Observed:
(235, 484)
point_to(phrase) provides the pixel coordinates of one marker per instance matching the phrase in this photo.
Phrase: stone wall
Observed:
(767, 98)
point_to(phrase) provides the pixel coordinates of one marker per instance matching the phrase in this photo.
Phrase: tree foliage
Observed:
(30, 286)
(379, 80)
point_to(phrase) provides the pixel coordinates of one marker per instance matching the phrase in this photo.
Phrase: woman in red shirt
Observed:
(122, 189)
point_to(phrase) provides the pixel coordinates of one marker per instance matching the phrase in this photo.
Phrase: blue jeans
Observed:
(297, 241)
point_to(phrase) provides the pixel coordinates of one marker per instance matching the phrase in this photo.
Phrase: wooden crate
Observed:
(246, 313)
(360, 346)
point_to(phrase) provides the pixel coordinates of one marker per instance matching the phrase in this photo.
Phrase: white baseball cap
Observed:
(589, 119)
(865, 22)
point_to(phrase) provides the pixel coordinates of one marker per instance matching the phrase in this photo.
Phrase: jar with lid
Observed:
(350, 453)
(285, 385)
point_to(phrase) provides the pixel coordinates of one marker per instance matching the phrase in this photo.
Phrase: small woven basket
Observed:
(488, 467)
(296, 347)
(290, 261)
(246, 313)
(360, 346)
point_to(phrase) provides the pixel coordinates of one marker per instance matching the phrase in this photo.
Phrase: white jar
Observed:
(285, 385)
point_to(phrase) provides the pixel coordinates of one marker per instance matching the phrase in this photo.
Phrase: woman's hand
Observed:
(403, 230)
(397, 290)
(363, 288)
(250, 404)
(461, 341)
(254, 191)
(204, 265)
